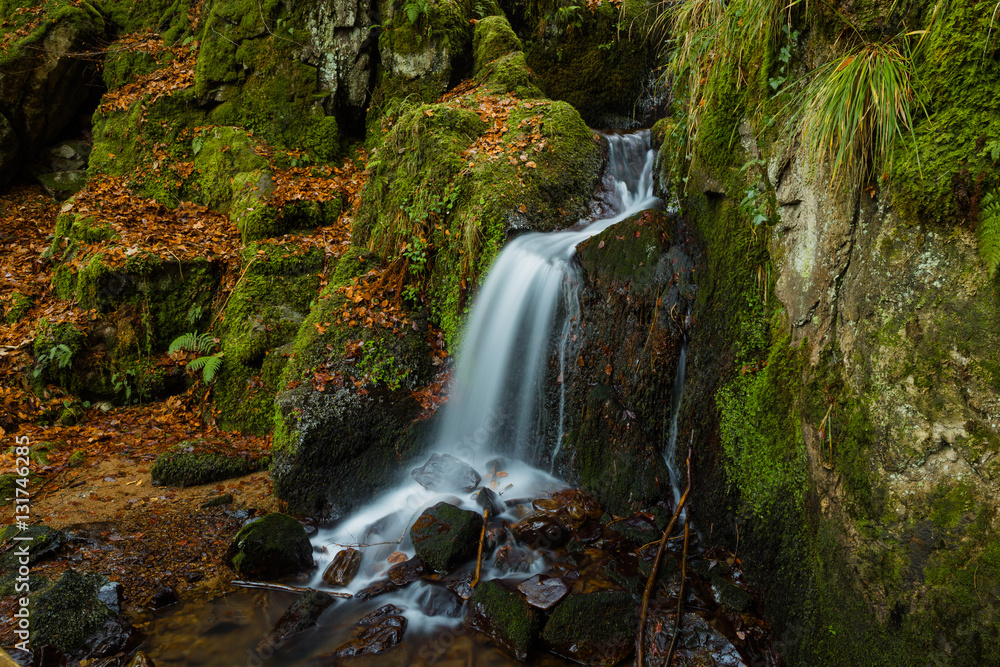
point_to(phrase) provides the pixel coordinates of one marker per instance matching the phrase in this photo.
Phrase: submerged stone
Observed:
(343, 568)
(445, 535)
(375, 589)
(270, 547)
(300, 616)
(380, 631)
(543, 591)
(698, 644)
(503, 616)
(594, 628)
(444, 472)
(406, 572)
(541, 531)
(437, 600)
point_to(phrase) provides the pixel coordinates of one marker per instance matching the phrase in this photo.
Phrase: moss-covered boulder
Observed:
(444, 536)
(502, 615)
(593, 628)
(270, 547)
(492, 39)
(633, 273)
(73, 616)
(188, 467)
(44, 543)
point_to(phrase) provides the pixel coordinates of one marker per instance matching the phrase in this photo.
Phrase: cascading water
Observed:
(523, 316)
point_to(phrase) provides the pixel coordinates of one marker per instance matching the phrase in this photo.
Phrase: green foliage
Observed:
(60, 355)
(414, 9)
(988, 231)
(208, 364)
(784, 57)
(859, 103)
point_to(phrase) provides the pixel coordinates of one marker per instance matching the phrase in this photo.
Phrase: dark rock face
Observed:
(503, 616)
(541, 531)
(301, 615)
(375, 589)
(445, 535)
(637, 286)
(379, 631)
(72, 616)
(594, 628)
(444, 472)
(440, 601)
(270, 547)
(488, 500)
(343, 568)
(406, 572)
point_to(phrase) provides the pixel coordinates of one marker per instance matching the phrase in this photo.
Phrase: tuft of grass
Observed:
(857, 105)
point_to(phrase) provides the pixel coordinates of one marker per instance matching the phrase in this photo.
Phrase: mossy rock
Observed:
(270, 547)
(594, 628)
(493, 38)
(188, 468)
(503, 615)
(71, 616)
(445, 536)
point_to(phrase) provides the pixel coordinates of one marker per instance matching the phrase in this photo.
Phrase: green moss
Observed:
(78, 459)
(511, 621)
(69, 612)
(943, 174)
(444, 536)
(594, 626)
(14, 306)
(187, 467)
(221, 153)
(492, 38)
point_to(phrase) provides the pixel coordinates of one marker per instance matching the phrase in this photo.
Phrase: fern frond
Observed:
(192, 342)
(988, 231)
(208, 365)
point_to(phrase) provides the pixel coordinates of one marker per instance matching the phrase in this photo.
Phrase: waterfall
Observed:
(523, 316)
(676, 395)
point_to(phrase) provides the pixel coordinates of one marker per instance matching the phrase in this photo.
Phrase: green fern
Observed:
(208, 365)
(192, 342)
(989, 232)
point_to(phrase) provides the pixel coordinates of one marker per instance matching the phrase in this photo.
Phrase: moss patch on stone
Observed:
(187, 467)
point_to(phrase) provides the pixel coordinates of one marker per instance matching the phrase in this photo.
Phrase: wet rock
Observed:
(112, 595)
(637, 528)
(541, 531)
(185, 467)
(343, 568)
(444, 472)
(699, 643)
(513, 558)
(219, 501)
(729, 595)
(594, 629)
(543, 591)
(270, 547)
(460, 583)
(141, 660)
(571, 506)
(406, 572)
(438, 600)
(445, 535)
(71, 616)
(163, 597)
(503, 616)
(488, 500)
(380, 631)
(375, 589)
(301, 615)
(589, 531)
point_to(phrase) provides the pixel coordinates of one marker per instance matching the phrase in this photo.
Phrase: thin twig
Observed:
(680, 594)
(656, 566)
(286, 589)
(479, 556)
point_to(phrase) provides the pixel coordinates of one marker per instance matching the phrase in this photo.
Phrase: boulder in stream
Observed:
(269, 547)
(543, 591)
(699, 643)
(301, 615)
(594, 628)
(503, 616)
(445, 535)
(343, 568)
(444, 472)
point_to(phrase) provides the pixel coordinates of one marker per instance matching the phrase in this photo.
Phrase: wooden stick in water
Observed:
(479, 556)
(287, 589)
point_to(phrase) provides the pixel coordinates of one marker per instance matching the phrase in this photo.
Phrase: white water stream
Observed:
(524, 314)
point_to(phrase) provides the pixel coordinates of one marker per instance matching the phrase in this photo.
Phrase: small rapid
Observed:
(495, 418)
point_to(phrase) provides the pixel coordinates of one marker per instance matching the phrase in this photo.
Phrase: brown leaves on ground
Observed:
(371, 302)
(177, 74)
(494, 143)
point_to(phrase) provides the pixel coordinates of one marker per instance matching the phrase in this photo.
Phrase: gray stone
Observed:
(444, 472)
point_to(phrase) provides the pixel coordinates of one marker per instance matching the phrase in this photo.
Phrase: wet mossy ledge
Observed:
(844, 450)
